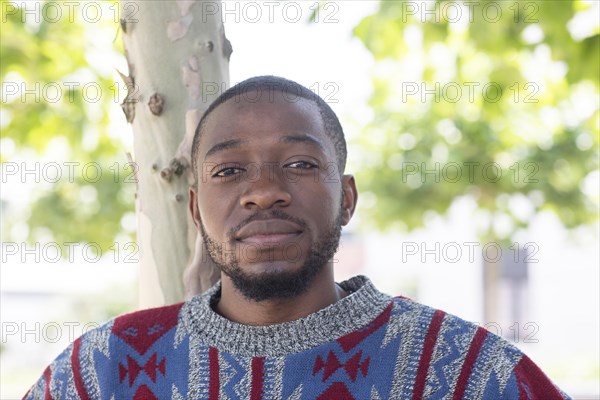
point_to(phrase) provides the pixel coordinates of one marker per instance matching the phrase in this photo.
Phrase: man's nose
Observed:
(265, 187)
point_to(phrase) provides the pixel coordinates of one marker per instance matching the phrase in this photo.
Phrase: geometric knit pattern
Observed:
(367, 345)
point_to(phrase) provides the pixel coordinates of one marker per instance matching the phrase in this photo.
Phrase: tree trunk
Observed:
(174, 49)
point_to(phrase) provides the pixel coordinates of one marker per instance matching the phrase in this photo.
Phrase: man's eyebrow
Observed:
(297, 138)
(225, 145)
(303, 138)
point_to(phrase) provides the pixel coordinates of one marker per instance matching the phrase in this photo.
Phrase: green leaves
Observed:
(56, 99)
(497, 104)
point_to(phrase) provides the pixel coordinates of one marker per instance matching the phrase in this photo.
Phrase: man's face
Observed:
(269, 203)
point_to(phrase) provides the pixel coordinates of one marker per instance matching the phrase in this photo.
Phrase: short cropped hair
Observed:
(292, 91)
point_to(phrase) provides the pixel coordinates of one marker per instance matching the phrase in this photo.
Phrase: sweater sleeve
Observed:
(528, 382)
(56, 381)
(70, 375)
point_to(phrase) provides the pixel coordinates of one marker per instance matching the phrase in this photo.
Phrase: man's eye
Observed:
(302, 165)
(225, 172)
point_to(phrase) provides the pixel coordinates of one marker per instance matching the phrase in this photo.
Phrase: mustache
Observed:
(275, 214)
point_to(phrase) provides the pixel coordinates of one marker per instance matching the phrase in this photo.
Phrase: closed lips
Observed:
(268, 228)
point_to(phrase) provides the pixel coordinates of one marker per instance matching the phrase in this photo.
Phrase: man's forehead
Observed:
(274, 110)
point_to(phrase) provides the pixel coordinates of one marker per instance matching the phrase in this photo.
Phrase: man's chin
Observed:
(272, 281)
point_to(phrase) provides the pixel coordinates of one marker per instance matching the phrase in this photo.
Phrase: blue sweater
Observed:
(367, 345)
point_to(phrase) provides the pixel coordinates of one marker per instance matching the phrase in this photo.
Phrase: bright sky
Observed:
(322, 56)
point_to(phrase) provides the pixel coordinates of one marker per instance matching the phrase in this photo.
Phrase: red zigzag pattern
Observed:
(133, 369)
(332, 364)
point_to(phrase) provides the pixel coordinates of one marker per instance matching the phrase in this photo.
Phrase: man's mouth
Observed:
(270, 231)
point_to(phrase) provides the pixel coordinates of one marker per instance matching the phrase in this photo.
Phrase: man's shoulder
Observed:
(477, 361)
(104, 347)
(138, 328)
(411, 308)
(157, 318)
(438, 327)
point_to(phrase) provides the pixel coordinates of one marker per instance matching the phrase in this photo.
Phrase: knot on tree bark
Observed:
(128, 108)
(123, 24)
(156, 104)
(128, 105)
(227, 48)
(175, 168)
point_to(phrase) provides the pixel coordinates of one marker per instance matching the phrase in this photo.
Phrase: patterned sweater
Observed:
(367, 345)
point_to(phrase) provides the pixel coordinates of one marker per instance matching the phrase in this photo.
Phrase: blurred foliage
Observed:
(537, 120)
(508, 87)
(58, 91)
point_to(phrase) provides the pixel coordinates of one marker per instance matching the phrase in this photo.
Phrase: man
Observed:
(270, 200)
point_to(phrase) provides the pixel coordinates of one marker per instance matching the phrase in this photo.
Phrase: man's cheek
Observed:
(212, 231)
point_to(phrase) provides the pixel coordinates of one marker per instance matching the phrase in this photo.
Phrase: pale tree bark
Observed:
(175, 49)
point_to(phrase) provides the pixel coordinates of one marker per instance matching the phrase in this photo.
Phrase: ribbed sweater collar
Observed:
(354, 311)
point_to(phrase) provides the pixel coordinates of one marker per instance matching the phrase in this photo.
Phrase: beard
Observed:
(276, 284)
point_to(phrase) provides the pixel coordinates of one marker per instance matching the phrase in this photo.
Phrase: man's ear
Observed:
(349, 198)
(193, 205)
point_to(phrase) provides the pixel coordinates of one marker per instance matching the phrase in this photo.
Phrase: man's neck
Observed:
(322, 292)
